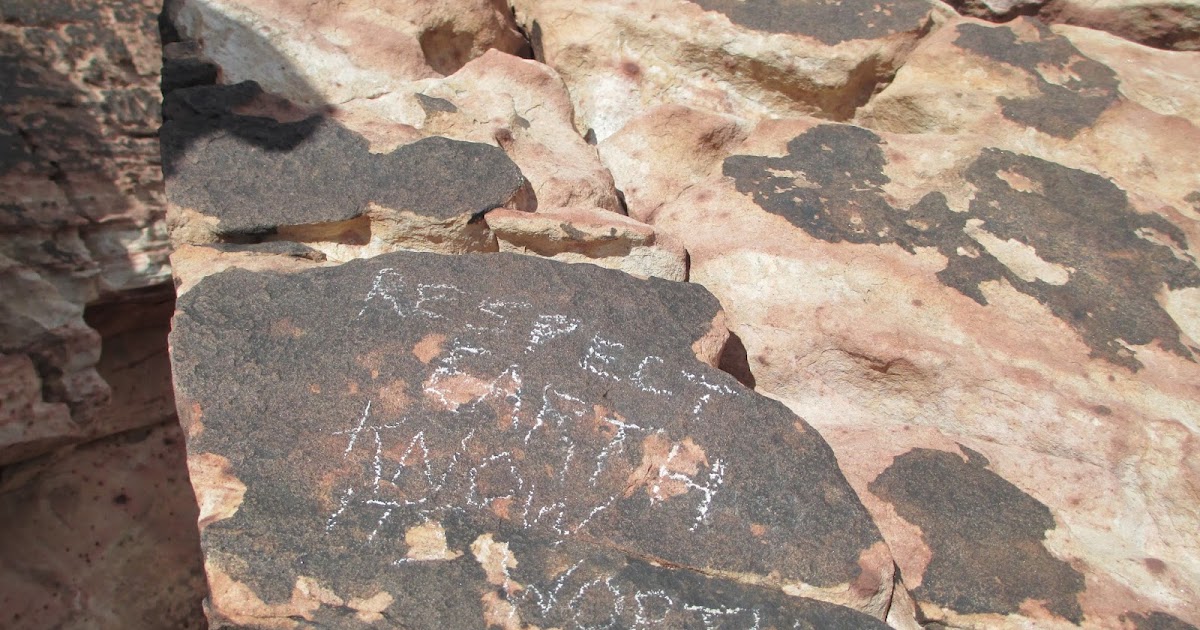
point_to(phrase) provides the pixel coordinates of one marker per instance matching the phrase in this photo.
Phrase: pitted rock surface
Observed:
(986, 536)
(830, 184)
(315, 170)
(518, 435)
(81, 206)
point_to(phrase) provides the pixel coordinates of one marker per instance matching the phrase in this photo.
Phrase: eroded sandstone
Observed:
(961, 251)
(917, 287)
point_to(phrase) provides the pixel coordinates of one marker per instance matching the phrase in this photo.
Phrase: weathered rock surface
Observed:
(1023, 87)
(750, 59)
(983, 293)
(1171, 24)
(102, 535)
(493, 440)
(1021, 331)
(504, 120)
(82, 203)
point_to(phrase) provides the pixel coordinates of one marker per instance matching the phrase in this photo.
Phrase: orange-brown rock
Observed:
(102, 535)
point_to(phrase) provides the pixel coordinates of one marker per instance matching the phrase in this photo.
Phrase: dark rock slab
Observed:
(985, 534)
(830, 21)
(470, 440)
(314, 170)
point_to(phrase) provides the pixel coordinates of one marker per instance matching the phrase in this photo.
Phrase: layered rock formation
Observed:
(82, 193)
(935, 363)
(96, 523)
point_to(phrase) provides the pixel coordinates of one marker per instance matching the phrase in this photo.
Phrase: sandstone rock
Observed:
(1171, 24)
(496, 111)
(760, 59)
(102, 536)
(1000, 348)
(493, 440)
(82, 193)
(488, 96)
(418, 169)
(603, 238)
(315, 181)
(1029, 90)
(332, 52)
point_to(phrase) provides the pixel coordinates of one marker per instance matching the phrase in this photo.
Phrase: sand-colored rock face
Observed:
(83, 206)
(986, 338)
(752, 59)
(959, 254)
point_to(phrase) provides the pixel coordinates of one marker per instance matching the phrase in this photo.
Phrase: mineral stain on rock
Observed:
(1157, 621)
(829, 21)
(1104, 269)
(1074, 89)
(985, 534)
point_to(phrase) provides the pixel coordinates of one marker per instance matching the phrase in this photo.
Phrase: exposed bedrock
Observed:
(899, 319)
(1169, 24)
(96, 515)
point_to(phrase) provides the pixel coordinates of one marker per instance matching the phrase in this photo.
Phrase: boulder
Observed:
(1000, 348)
(749, 59)
(423, 440)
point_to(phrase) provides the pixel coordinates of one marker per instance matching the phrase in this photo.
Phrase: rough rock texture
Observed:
(102, 535)
(1023, 332)
(1170, 24)
(82, 205)
(535, 443)
(1025, 88)
(96, 515)
(332, 145)
(963, 252)
(753, 59)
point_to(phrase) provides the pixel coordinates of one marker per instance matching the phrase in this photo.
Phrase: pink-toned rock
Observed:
(1030, 90)
(753, 60)
(606, 239)
(397, 95)
(1000, 348)
(102, 535)
(1171, 24)
(82, 193)
(332, 52)
(422, 167)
